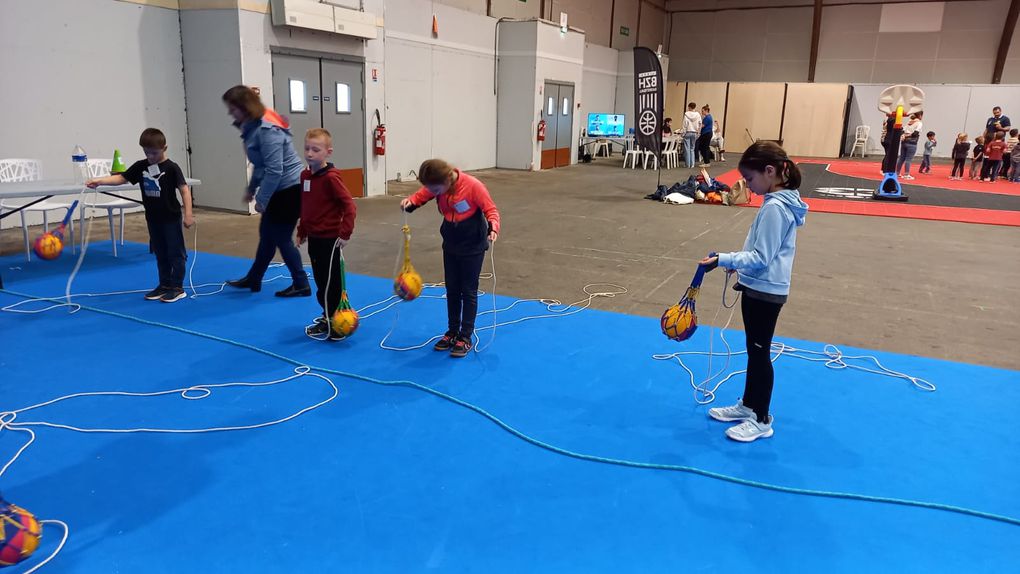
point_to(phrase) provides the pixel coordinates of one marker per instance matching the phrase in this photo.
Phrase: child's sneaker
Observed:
(447, 342)
(156, 294)
(908, 177)
(461, 348)
(334, 336)
(173, 294)
(318, 330)
(750, 430)
(737, 412)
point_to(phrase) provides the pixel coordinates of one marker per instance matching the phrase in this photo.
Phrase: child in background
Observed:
(994, 153)
(1014, 159)
(1011, 142)
(926, 157)
(978, 157)
(160, 179)
(327, 221)
(960, 150)
(763, 274)
(470, 223)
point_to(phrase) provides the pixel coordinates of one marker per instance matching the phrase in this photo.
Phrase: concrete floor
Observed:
(938, 289)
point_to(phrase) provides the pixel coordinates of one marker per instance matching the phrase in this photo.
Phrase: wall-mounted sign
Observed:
(624, 31)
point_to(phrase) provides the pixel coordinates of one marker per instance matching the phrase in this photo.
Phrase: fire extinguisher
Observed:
(379, 137)
(541, 130)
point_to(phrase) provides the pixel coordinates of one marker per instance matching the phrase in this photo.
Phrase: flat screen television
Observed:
(605, 125)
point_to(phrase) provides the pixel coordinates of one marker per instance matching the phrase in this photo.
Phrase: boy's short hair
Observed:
(1000, 135)
(1014, 132)
(319, 133)
(930, 134)
(152, 138)
(980, 139)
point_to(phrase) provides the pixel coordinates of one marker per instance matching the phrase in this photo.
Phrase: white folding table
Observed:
(44, 189)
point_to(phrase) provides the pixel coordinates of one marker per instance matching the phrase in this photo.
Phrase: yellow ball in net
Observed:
(344, 322)
(407, 285)
(48, 246)
(679, 322)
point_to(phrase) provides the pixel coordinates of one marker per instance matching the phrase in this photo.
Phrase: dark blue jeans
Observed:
(275, 235)
(166, 240)
(462, 290)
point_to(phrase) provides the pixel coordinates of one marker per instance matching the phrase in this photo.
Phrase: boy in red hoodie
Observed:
(470, 222)
(327, 221)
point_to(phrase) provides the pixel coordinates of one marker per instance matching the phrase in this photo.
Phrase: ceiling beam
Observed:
(1005, 41)
(816, 32)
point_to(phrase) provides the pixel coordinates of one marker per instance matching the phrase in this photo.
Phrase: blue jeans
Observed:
(689, 140)
(907, 151)
(275, 235)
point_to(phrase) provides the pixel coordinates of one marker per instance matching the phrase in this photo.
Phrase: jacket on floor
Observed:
(766, 262)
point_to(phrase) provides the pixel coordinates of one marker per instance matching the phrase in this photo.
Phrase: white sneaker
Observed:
(908, 177)
(737, 412)
(750, 430)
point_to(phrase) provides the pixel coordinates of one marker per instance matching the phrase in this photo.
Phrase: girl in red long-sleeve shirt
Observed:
(470, 222)
(327, 221)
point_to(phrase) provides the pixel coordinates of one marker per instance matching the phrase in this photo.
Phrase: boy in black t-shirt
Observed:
(160, 179)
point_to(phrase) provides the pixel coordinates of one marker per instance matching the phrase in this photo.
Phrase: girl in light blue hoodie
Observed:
(763, 271)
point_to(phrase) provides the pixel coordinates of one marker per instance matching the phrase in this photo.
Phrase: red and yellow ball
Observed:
(19, 533)
(344, 322)
(408, 285)
(679, 322)
(47, 246)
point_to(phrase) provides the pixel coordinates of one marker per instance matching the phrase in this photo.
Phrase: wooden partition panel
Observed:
(674, 105)
(813, 124)
(756, 108)
(711, 93)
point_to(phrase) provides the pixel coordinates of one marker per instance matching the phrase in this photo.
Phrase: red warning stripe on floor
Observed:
(895, 208)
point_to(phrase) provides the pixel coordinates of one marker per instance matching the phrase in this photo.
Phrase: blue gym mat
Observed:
(394, 479)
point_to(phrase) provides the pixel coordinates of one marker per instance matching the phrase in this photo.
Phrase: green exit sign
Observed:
(624, 31)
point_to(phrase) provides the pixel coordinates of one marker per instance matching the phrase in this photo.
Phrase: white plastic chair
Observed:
(101, 168)
(670, 154)
(602, 145)
(861, 139)
(650, 155)
(632, 154)
(13, 170)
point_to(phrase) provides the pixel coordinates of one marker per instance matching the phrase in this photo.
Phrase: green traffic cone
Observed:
(118, 163)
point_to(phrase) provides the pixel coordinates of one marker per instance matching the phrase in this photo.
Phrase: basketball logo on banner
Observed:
(647, 100)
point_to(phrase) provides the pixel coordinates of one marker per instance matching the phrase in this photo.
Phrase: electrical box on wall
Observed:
(324, 16)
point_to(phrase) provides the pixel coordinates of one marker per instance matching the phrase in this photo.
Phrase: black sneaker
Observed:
(173, 294)
(293, 291)
(318, 330)
(461, 348)
(334, 336)
(156, 294)
(446, 343)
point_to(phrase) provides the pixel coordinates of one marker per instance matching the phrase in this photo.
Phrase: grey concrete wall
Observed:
(440, 99)
(595, 17)
(212, 63)
(600, 69)
(854, 46)
(89, 73)
(769, 45)
(516, 118)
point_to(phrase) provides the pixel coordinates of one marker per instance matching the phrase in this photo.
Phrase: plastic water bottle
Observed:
(80, 162)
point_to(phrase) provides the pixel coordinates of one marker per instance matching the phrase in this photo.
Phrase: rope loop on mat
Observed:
(565, 452)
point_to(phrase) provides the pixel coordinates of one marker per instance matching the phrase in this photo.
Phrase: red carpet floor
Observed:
(903, 209)
(939, 176)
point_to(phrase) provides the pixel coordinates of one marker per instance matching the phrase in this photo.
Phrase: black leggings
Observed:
(462, 291)
(958, 164)
(759, 325)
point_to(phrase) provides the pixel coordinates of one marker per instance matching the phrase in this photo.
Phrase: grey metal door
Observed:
(550, 97)
(343, 114)
(297, 94)
(564, 125)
